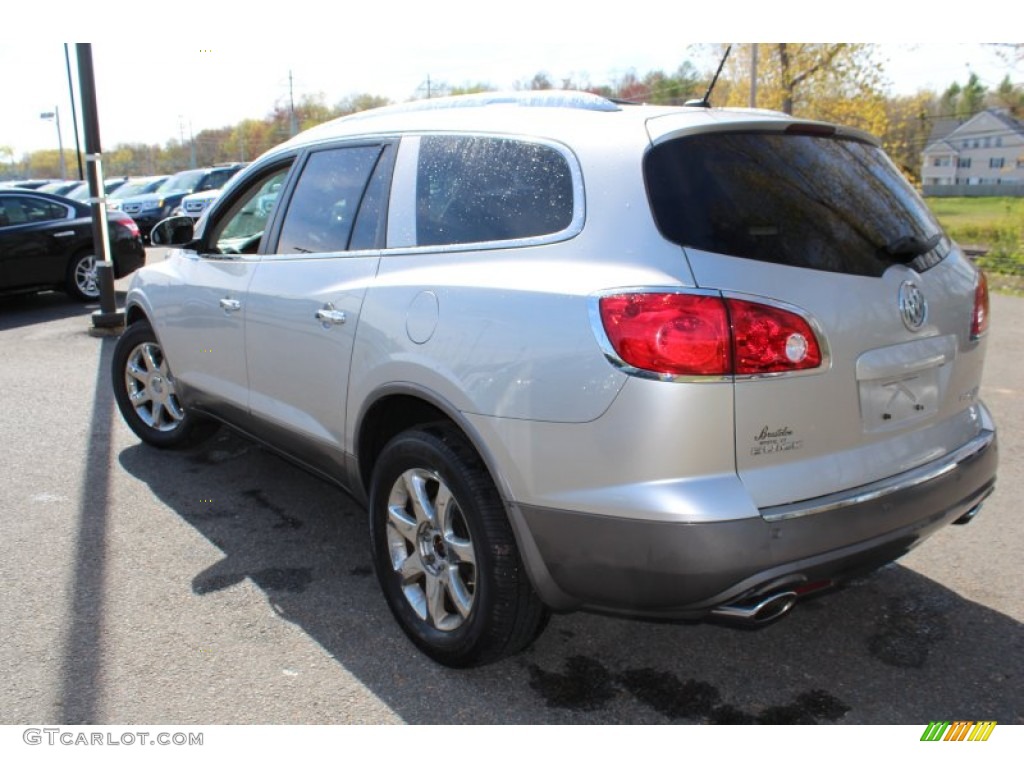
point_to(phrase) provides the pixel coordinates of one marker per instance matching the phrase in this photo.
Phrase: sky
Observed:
(168, 76)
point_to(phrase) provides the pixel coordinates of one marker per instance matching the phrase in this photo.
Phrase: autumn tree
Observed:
(908, 125)
(839, 82)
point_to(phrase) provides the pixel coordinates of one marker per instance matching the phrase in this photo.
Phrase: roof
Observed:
(549, 114)
(943, 129)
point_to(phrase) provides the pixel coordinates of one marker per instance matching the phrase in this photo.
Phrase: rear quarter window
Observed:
(823, 203)
(473, 189)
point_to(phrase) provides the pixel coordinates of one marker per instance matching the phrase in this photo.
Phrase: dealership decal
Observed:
(777, 440)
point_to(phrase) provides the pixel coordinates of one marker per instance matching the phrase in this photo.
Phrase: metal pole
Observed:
(293, 124)
(753, 75)
(107, 318)
(74, 116)
(60, 144)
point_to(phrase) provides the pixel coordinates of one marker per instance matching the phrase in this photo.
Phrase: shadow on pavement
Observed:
(36, 308)
(896, 648)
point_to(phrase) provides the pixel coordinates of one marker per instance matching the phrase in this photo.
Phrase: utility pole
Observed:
(293, 125)
(60, 141)
(74, 116)
(107, 319)
(753, 75)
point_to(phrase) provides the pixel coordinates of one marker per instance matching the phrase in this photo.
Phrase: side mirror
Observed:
(177, 230)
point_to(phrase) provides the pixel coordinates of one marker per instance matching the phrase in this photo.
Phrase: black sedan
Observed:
(46, 243)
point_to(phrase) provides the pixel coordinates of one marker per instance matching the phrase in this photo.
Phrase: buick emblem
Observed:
(913, 307)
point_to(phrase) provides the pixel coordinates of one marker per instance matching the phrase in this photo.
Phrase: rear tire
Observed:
(146, 392)
(82, 281)
(444, 551)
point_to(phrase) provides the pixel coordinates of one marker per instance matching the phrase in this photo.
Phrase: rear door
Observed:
(826, 228)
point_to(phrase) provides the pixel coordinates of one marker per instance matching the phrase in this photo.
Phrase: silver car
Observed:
(675, 362)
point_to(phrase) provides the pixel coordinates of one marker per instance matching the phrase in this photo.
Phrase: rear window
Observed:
(822, 203)
(478, 189)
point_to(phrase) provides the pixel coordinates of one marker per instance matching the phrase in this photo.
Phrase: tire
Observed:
(145, 391)
(82, 282)
(448, 563)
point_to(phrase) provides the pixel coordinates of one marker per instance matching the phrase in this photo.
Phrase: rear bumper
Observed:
(683, 570)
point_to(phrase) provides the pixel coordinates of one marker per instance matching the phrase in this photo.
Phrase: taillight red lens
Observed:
(700, 335)
(670, 333)
(771, 340)
(126, 221)
(979, 319)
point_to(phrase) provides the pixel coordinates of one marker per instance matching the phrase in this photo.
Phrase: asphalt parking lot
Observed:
(223, 585)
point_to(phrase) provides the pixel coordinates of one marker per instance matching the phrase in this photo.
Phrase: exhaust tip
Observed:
(762, 611)
(969, 515)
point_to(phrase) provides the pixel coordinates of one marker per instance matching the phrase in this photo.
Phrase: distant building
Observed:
(980, 156)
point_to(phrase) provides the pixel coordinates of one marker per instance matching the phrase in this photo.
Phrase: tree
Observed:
(468, 88)
(1009, 97)
(840, 82)
(908, 125)
(359, 102)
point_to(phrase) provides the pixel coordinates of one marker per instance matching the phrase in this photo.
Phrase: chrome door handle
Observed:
(230, 305)
(63, 234)
(328, 315)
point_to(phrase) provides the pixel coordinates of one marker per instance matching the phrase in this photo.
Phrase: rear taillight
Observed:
(979, 318)
(682, 334)
(770, 340)
(125, 221)
(671, 333)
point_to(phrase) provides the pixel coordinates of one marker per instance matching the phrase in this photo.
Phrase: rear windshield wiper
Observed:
(910, 246)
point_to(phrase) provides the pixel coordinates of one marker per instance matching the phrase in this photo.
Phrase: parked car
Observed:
(150, 208)
(46, 243)
(62, 188)
(134, 187)
(30, 183)
(81, 192)
(671, 362)
(195, 205)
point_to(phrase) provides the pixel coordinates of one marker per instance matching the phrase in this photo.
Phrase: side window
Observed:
(29, 210)
(327, 200)
(240, 230)
(479, 189)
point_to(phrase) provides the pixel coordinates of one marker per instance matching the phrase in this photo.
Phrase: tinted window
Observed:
(816, 202)
(29, 210)
(326, 200)
(473, 189)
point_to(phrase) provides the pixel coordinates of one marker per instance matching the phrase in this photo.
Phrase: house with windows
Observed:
(980, 156)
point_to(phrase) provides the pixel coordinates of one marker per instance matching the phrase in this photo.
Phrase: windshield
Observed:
(136, 187)
(182, 182)
(807, 201)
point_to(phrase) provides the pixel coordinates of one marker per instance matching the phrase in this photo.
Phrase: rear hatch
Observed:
(824, 226)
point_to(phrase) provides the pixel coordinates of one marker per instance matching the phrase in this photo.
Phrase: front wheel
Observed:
(147, 395)
(445, 554)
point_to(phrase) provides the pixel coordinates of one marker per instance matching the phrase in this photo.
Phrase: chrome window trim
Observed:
(886, 486)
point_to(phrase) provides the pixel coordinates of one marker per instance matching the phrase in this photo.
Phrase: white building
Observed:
(984, 151)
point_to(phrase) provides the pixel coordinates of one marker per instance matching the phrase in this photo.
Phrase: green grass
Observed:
(994, 223)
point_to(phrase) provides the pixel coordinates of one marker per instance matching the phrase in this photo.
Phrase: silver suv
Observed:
(573, 354)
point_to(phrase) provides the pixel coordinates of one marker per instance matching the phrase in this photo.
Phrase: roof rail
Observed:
(548, 98)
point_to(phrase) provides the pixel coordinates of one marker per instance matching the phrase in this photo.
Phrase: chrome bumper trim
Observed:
(885, 487)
